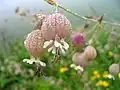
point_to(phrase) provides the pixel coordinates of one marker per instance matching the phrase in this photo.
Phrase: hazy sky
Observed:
(15, 26)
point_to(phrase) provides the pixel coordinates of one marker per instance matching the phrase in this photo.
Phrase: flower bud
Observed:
(114, 68)
(80, 59)
(91, 52)
(78, 40)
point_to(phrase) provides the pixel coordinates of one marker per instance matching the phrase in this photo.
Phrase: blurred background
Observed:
(16, 26)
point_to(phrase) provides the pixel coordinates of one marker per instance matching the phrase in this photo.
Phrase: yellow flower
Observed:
(105, 74)
(110, 53)
(63, 69)
(95, 73)
(97, 76)
(100, 83)
(119, 75)
(105, 84)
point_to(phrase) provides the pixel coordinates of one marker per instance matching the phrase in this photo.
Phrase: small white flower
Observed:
(111, 77)
(79, 68)
(31, 61)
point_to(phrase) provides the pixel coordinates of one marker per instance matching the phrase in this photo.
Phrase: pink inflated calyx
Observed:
(34, 43)
(55, 24)
(78, 39)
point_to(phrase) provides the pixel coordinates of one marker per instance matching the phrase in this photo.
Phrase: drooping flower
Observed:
(55, 24)
(34, 45)
(78, 39)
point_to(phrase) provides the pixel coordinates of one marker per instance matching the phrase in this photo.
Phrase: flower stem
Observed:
(83, 17)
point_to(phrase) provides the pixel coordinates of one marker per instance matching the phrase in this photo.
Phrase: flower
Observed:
(34, 43)
(95, 73)
(80, 59)
(55, 24)
(63, 69)
(105, 84)
(110, 53)
(102, 83)
(78, 39)
(56, 46)
(91, 52)
(118, 75)
(32, 60)
(111, 77)
(105, 74)
(79, 68)
(114, 68)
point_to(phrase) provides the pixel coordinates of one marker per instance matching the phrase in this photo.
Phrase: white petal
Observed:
(25, 60)
(57, 44)
(65, 45)
(30, 61)
(47, 43)
(50, 49)
(79, 68)
(62, 51)
(72, 65)
(42, 64)
(54, 51)
(111, 77)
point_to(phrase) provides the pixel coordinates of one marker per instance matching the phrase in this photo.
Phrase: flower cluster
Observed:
(102, 83)
(102, 79)
(49, 33)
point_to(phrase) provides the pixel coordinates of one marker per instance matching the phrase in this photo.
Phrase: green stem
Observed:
(83, 17)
